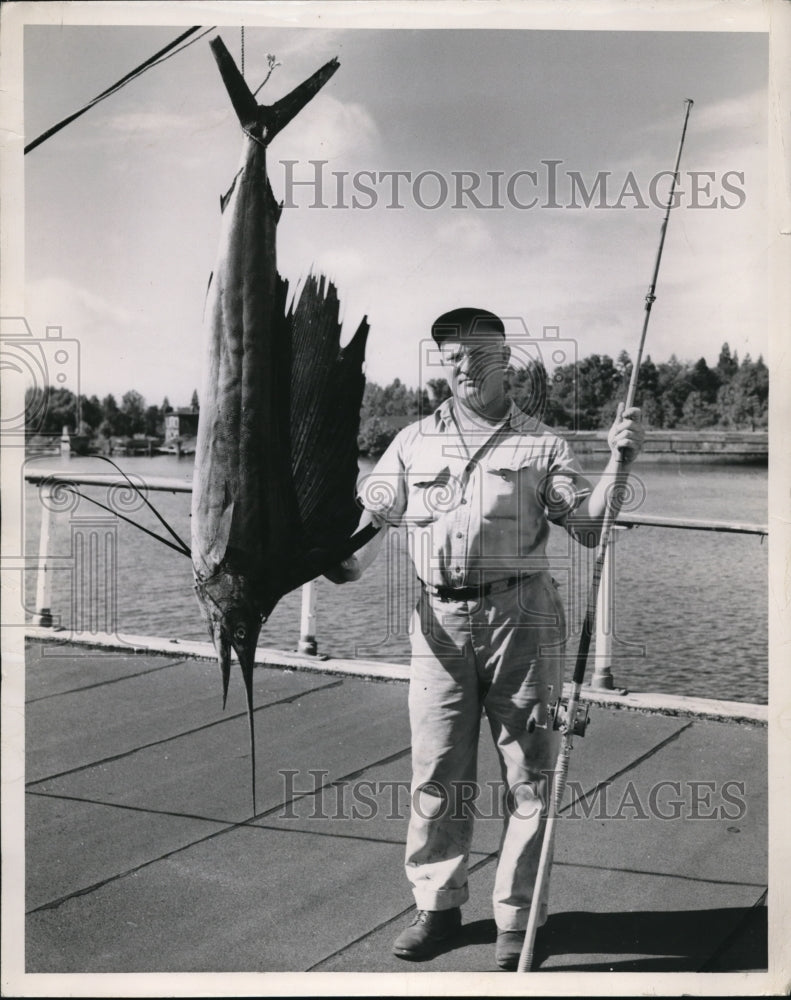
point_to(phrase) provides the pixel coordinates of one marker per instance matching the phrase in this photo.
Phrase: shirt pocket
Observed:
(429, 497)
(502, 484)
(509, 489)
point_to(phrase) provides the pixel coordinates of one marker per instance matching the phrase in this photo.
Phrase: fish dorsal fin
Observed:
(326, 392)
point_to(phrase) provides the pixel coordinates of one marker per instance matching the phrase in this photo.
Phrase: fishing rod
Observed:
(570, 719)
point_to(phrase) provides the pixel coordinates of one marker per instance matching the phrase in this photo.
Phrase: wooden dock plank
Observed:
(333, 730)
(57, 668)
(376, 802)
(249, 900)
(115, 716)
(74, 845)
(153, 894)
(690, 808)
(599, 920)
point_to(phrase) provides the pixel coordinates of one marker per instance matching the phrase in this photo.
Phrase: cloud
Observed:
(58, 301)
(329, 129)
(345, 266)
(729, 123)
(146, 219)
(161, 124)
(290, 47)
(117, 349)
(747, 112)
(465, 234)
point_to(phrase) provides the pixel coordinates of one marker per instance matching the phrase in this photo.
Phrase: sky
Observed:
(122, 207)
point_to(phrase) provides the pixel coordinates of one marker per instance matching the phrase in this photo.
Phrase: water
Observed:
(690, 606)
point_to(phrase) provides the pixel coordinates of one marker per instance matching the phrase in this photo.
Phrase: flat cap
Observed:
(460, 324)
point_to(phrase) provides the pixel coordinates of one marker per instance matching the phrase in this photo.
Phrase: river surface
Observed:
(690, 606)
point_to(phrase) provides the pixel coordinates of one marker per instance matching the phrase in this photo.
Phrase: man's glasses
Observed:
(451, 351)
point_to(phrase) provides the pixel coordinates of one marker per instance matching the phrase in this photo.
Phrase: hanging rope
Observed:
(242, 59)
(158, 57)
(273, 64)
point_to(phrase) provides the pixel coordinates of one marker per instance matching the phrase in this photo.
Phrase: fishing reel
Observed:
(557, 718)
(558, 713)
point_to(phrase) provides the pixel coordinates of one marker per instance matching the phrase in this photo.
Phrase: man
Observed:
(477, 484)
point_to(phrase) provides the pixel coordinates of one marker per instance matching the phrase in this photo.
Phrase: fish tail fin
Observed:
(288, 107)
(244, 104)
(264, 122)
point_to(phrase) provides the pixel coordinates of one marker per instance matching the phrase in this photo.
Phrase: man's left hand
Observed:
(626, 434)
(345, 571)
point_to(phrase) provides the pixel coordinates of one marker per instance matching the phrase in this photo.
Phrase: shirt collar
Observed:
(518, 419)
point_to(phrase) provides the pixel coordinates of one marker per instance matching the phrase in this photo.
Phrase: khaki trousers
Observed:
(502, 654)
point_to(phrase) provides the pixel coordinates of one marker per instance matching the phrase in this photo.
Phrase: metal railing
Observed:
(50, 483)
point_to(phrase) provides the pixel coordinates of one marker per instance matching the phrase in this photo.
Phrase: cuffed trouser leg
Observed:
(444, 713)
(528, 673)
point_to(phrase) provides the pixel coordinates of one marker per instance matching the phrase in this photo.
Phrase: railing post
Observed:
(307, 628)
(94, 593)
(602, 672)
(43, 615)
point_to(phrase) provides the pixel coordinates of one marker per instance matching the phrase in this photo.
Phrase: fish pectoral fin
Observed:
(225, 198)
(317, 559)
(219, 544)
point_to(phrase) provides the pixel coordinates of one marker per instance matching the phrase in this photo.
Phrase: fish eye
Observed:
(240, 633)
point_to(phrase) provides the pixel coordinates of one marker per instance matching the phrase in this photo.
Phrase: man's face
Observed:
(476, 369)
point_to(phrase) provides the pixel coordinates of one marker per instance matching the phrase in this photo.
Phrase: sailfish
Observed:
(273, 503)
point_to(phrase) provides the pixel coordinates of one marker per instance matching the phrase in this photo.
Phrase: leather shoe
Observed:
(427, 932)
(508, 948)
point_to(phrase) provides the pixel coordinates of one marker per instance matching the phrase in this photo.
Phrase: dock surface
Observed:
(143, 854)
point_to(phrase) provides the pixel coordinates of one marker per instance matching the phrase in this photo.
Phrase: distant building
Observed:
(180, 424)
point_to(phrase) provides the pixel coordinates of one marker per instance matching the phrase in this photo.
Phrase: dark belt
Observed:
(476, 593)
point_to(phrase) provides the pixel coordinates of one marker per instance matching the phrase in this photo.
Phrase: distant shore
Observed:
(743, 447)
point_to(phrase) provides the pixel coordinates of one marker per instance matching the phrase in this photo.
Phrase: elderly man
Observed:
(477, 485)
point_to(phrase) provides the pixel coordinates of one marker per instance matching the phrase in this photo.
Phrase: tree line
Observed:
(674, 394)
(583, 395)
(49, 410)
